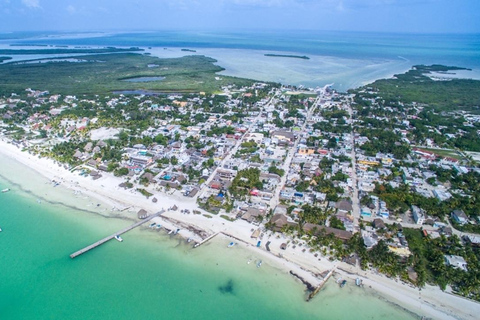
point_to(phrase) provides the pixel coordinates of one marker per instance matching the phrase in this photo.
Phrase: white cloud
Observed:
(71, 9)
(34, 4)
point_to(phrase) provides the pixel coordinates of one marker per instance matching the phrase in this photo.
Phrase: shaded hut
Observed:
(142, 214)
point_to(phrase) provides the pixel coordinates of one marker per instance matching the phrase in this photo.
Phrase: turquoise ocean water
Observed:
(150, 275)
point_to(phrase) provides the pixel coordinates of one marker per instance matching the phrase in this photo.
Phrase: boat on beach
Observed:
(231, 244)
(358, 282)
(152, 225)
(5, 190)
(170, 232)
(343, 283)
(189, 240)
(118, 238)
(159, 226)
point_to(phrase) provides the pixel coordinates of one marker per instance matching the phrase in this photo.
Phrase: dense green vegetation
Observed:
(416, 86)
(429, 263)
(246, 180)
(102, 74)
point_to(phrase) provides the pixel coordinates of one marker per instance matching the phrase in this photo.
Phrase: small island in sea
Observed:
(286, 56)
(189, 50)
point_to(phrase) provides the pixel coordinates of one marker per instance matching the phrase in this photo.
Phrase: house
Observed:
(279, 221)
(344, 205)
(459, 217)
(318, 229)
(418, 215)
(378, 224)
(473, 240)
(282, 135)
(457, 262)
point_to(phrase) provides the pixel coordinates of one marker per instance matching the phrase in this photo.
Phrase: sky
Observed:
(409, 16)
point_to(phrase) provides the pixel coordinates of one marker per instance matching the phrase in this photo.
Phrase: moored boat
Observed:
(259, 264)
(152, 225)
(159, 226)
(189, 240)
(343, 283)
(118, 238)
(5, 190)
(231, 244)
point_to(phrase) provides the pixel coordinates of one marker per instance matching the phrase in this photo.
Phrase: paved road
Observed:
(291, 153)
(355, 199)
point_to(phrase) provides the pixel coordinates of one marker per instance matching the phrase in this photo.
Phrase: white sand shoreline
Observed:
(430, 301)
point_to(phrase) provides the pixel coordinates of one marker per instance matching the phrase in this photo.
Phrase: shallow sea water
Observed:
(150, 275)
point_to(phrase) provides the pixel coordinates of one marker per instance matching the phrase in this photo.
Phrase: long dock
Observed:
(205, 240)
(314, 293)
(106, 239)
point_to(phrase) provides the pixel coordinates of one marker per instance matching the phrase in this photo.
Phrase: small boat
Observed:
(159, 226)
(170, 232)
(118, 238)
(152, 225)
(259, 243)
(5, 190)
(358, 282)
(343, 283)
(176, 231)
(0, 229)
(249, 260)
(231, 244)
(189, 240)
(259, 264)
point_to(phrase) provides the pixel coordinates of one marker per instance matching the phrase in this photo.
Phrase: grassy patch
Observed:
(103, 74)
(145, 192)
(444, 153)
(227, 217)
(207, 216)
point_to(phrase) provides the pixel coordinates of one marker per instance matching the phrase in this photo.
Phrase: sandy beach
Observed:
(429, 301)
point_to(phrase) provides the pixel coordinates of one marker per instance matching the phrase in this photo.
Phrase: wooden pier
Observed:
(314, 292)
(205, 240)
(106, 239)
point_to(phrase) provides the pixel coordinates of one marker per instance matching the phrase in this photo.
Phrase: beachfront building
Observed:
(457, 262)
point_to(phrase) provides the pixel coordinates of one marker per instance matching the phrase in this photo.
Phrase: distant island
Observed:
(286, 56)
(189, 50)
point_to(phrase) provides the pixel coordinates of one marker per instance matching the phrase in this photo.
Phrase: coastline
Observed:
(431, 302)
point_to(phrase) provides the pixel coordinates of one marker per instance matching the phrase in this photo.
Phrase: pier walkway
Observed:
(205, 240)
(106, 239)
(317, 290)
